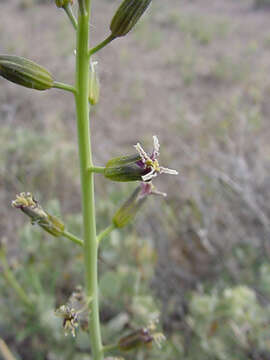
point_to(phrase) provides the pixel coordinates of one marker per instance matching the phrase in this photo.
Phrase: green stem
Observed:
(73, 238)
(101, 45)
(105, 232)
(97, 169)
(62, 86)
(71, 16)
(11, 280)
(87, 178)
(83, 6)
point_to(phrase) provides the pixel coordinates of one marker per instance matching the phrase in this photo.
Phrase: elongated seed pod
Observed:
(127, 212)
(130, 172)
(38, 216)
(25, 72)
(136, 339)
(124, 168)
(127, 15)
(63, 3)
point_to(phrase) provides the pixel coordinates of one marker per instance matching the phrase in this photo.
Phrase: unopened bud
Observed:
(94, 86)
(129, 209)
(25, 72)
(30, 206)
(125, 168)
(63, 3)
(136, 339)
(127, 15)
(142, 337)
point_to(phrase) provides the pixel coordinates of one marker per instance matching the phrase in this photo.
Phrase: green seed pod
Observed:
(127, 15)
(54, 226)
(136, 339)
(94, 86)
(25, 72)
(125, 168)
(129, 209)
(63, 3)
(30, 206)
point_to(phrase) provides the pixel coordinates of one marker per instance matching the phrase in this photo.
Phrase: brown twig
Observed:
(4, 350)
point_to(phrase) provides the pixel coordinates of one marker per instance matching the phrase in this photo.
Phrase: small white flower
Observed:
(150, 162)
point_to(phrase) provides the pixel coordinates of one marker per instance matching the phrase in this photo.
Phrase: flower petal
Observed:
(142, 153)
(156, 147)
(164, 170)
(150, 175)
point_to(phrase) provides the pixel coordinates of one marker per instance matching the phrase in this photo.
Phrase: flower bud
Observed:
(31, 208)
(129, 209)
(141, 337)
(136, 339)
(94, 86)
(127, 15)
(63, 3)
(125, 168)
(25, 72)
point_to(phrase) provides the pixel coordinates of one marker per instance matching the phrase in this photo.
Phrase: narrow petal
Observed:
(141, 152)
(150, 175)
(164, 170)
(156, 147)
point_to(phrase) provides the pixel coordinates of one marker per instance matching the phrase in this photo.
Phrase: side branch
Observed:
(71, 16)
(101, 45)
(72, 237)
(62, 86)
(111, 347)
(105, 232)
(96, 169)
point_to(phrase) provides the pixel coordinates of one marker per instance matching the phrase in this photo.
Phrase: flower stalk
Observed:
(97, 169)
(87, 177)
(105, 232)
(72, 237)
(71, 16)
(62, 86)
(101, 45)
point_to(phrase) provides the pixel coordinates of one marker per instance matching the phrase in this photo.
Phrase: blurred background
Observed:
(195, 73)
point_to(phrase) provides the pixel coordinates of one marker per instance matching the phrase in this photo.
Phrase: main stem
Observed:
(87, 180)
